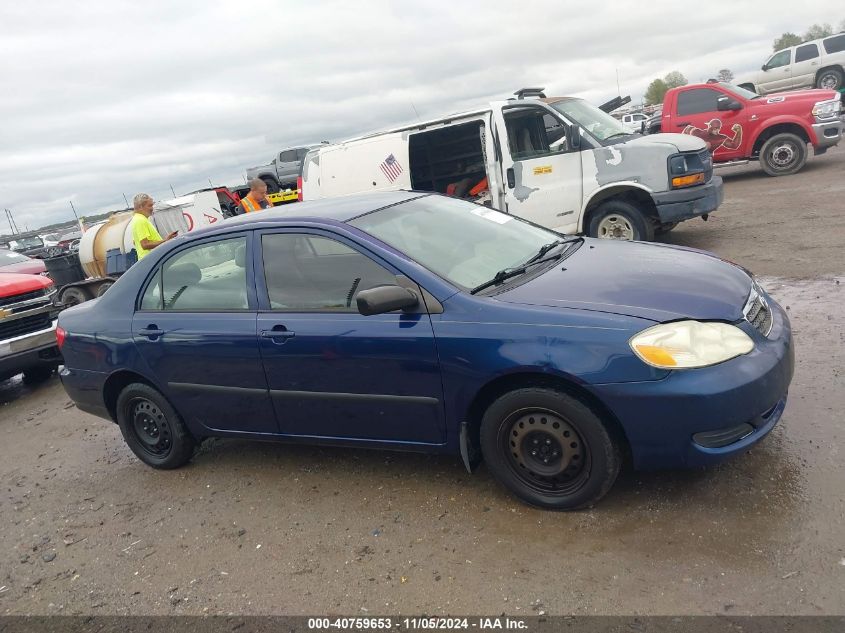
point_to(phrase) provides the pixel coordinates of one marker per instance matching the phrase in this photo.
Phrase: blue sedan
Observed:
(418, 322)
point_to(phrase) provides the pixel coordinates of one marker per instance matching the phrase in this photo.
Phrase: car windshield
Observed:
(9, 257)
(597, 122)
(740, 92)
(28, 242)
(464, 243)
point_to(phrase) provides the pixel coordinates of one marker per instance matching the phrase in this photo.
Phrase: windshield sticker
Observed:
(494, 216)
(543, 169)
(713, 137)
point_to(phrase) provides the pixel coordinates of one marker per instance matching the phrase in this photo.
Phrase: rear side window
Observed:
(835, 44)
(288, 156)
(206, 278)
(697, 100)
(808, 51)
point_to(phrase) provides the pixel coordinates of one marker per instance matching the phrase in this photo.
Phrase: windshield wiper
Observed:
(507, 273)
(545, 248)
(607, 138)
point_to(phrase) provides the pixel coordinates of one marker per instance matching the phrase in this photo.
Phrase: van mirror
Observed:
(385, 299)
(575, 137)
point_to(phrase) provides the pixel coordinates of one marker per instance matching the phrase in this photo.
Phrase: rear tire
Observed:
(104, 287)
(549, 449)
(37, 375)
(272, 185)
(74, 296)
(829, 79)
(783, 154)
(620, 220)
(152, 428)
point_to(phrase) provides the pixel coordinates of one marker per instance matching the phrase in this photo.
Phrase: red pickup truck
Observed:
(739, 125)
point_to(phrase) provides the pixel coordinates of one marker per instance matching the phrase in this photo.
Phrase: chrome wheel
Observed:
(615, 227)
(829, 81)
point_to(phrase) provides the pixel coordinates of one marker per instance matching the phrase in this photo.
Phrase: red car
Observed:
(12, 262)
(739, 125)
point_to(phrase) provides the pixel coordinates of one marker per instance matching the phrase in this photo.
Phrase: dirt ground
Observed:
(262, 528)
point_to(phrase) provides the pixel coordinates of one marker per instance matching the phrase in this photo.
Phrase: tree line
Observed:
(815, 32)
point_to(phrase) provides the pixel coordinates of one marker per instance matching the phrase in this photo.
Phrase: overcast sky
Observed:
(109, 98)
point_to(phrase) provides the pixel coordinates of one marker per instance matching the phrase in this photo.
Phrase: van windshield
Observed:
(597, 122)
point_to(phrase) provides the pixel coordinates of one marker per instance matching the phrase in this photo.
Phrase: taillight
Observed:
(299, 188)
(60, 336)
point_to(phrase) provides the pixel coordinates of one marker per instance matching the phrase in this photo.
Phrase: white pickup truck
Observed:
(559, 162)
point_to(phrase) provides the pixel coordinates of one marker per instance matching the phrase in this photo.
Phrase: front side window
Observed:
(311, 273)
(779, 59)
(808, 51)
(698, 100)
(288, 156)
(205, 278)
(534, 132)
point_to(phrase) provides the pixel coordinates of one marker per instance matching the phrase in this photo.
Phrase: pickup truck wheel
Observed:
(549, 449)
(37, 375)
(74, 296)
(272, 185)
(620, 220)
(829, 79)
(783, 154)
(104, 287)
(152, 428)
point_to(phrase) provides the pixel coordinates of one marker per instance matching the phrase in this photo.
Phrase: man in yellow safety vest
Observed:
(256, 199)
(145, 236)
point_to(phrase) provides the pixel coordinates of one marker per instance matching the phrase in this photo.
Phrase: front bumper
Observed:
(682, 204)
(29, 350)
(660, 418)
(828, 134)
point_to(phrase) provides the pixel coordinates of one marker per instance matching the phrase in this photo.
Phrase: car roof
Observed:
(341, 209)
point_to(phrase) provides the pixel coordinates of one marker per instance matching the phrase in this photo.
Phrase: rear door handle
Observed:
(151, 331)
(279, 334)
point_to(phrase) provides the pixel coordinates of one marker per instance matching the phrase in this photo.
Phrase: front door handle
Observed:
(151, 331)
(511, 178)
(279, 334)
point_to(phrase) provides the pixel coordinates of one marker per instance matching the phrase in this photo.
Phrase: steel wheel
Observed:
(615, 227)
(545, 451)
(150, 426)
(783, 155)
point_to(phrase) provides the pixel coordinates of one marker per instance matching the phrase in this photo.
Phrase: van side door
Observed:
(541, 170)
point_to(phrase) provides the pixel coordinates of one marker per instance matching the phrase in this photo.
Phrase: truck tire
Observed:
(783, 154)
(37, 375)
(272, 185)
(103, 287)
(73, 296)
(830, 79)
(620, 220)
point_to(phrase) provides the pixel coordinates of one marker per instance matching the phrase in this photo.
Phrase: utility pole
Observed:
(209, 182)
(12, 224)
(618, 90)
(171, 191)
(78, 223)
(126, 201)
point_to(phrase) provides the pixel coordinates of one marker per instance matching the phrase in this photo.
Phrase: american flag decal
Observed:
(391, 168)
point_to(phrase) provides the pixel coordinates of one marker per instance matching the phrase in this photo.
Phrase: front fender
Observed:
(609, 190)
(790, 119)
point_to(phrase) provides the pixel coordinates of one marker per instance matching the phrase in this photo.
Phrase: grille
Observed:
(7, 301)
(758, 314)
(707, 161)
(25, 325)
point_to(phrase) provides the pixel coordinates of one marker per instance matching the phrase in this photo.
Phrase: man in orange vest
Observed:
(256, 199)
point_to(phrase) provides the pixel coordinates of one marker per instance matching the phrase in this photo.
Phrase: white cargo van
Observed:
(559, 162)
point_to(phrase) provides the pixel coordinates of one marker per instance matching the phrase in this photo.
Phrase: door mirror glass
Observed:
(385, 299)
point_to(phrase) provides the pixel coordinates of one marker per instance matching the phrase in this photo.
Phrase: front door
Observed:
(723, 131)
(777, 73)
(196, 330)
(542, 174)
(332, 372)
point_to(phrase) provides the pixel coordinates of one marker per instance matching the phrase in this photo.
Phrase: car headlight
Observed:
(686, 171)
(690, 344)
(826, 109)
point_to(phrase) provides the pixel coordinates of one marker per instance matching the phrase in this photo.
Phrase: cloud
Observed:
(110, 98)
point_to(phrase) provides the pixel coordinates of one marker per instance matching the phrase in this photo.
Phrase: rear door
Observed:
(332, 372)
(698, 115)
(195, 327)
(542, 174)
(805, 66)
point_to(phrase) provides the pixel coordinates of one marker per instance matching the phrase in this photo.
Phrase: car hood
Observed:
(12, 284)
(787, 100)
(679, 142)
(649, 281)
(32, 267)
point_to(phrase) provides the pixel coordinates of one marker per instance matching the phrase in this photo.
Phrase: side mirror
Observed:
(575, 137)
(724, 104)
(765, 67)
(385, 299)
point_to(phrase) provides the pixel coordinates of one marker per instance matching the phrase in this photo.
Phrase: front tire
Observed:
(620, 220)
(829, 79)
(74, 296)
(783, 154)
(549, 449)
(152, 428)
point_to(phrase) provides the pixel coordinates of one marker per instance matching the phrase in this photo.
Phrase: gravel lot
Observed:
(265, 528)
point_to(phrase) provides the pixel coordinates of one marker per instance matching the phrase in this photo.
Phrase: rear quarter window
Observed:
(835, 44)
